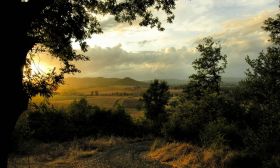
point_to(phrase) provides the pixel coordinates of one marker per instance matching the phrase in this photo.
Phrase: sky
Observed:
(144, 53)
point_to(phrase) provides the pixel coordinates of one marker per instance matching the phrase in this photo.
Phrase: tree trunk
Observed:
(15, 22)
(14, 50)
(15, 100)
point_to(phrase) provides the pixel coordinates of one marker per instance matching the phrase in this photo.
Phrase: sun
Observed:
(40, 68)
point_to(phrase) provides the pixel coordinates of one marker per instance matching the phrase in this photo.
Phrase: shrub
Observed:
(219, 133)
(181, 127)
(244, 160)
(48, 123)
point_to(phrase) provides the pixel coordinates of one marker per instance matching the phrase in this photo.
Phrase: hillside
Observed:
(175, 82)
(101, 81)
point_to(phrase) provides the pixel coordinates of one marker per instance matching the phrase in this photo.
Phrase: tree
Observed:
(262, 95)
(53, 25)
(155, 99)
(209, 66)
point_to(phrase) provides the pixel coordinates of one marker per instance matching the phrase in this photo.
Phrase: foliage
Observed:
(208, 68)
(77, 21)
(182, 126)
(188, 119)
(272, 25)
(244, 160)
(155, 99)
(46, 123)
(219, 133)
(261, 94)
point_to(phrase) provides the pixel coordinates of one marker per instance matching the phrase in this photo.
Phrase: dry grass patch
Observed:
(63, 154)
(180, 155)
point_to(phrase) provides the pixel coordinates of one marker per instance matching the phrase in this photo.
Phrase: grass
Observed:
(65, 95)
(180, 155)
(120, 152)
(130, 103)
(61, 154)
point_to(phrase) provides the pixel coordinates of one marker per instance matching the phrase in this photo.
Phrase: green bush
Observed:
(219, 133)
(46, 123)
(182, 127)
(244, 160)
(189, 118)
(90, 120)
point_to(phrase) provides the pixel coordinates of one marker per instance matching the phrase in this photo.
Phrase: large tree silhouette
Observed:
(53, 25)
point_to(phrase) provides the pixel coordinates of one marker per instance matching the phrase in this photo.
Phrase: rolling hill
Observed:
(75, 82)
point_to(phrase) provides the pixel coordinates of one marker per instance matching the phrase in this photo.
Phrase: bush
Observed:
(45, 123)
(48, 123)
(181, 126)
(189, 118)
(220, 133)
(91, 120)
(244, 160)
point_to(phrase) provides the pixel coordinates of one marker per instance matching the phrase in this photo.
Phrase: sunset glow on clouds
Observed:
(143, 53)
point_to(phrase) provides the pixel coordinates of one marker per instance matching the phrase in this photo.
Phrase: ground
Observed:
(88, 153)
(116, 152)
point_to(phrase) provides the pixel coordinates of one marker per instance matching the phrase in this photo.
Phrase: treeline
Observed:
(45, 123)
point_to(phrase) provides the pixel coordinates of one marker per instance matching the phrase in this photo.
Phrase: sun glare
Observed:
(40, 68)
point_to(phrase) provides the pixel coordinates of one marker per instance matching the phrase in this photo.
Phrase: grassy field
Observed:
(103, 96)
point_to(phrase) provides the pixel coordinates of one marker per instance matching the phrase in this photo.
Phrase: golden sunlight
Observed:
(40, 67)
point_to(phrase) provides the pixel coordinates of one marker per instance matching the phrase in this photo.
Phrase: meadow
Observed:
(107, 97)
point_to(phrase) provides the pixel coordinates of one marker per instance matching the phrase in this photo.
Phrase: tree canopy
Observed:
(155, 99)
(208, 68)
(263, 76)
(52, 25)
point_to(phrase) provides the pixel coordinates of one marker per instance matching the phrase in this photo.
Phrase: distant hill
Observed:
(75, 82)
(233, 80)
(176, 82)
(171, 82)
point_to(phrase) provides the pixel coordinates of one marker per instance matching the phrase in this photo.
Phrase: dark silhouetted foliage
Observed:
(208, 68)
(45, 123)
(261, 98)
(155, 99)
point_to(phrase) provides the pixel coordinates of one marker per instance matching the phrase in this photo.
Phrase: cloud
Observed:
(144, 42)
(109, 24)
(239, 38)
(242, 37)
(146, 53)
(142, 65)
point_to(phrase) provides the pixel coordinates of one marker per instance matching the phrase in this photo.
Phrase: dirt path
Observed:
(123, 156)
(127, 155)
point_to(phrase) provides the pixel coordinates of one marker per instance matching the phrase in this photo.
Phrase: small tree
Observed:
(209, 66)
(155, 99)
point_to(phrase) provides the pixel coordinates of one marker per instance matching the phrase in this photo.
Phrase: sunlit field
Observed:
(107, 97)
